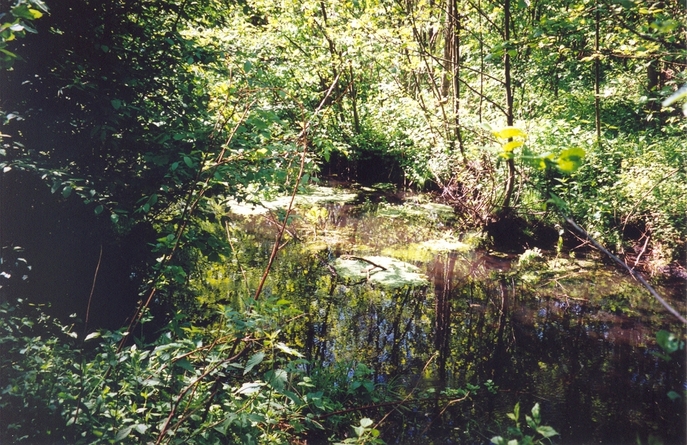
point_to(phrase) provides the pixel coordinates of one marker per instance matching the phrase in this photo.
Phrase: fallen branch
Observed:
(364, 260)
(632, 272)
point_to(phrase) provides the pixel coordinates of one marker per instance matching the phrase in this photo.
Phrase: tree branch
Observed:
(632, 272)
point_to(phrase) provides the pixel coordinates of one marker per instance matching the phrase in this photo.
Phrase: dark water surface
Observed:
(574, 335)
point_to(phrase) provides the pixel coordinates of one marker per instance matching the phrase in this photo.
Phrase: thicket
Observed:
(153, 114)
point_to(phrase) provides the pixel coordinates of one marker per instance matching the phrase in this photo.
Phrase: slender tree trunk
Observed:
(353, 92)
(597, 77)
(510, 182)
(481, 62)
(452, 69)
(455, 30)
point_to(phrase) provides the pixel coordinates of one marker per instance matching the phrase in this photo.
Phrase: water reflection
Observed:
(580, 343)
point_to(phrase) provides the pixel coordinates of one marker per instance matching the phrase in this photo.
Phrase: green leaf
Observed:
(509, 132)
(293, 396)
(536, 414)
(516, 412)
(123, 433)
(92, 335)
(116, 104)
(667, 341)
(282, 347)
(249, 388)
(98, 210)
(188, 161)
(23, 11)
(672, 395)
(547, 431)
(66, 191)
(277, 378)
(366, 422)
(384, 271)
(254, 360)
(570, 159)
(184, 363)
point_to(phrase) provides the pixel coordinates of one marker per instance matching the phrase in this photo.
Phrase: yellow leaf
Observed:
(512, 145)
(509, 132)
(570, 159)
(35, 13)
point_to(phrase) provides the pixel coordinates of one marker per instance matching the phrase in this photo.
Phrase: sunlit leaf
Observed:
(512, 145)
(547, 431)
(282, 347)
(92, 335)
(546, 160)
(536, 413)
(679, 94)
(510, 132)
(570, 159)
(249, 388)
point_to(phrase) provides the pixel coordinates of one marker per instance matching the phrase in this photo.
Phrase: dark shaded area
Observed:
(82, 100)
(61, 240)
(366, 168)
(513, 233)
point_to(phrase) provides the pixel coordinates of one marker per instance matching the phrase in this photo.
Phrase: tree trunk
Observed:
(510, 182)
(597, 77)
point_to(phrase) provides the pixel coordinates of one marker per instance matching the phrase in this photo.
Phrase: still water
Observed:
(394, 292)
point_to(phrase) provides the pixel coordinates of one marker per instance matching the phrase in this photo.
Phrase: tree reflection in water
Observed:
(580, 343)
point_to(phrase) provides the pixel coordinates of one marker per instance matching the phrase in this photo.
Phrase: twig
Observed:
(365, 260)
(90, 296)
(236, 254)
(646, 243)
(303, 137)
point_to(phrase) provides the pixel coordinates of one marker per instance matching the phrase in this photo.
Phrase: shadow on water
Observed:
(573, 335)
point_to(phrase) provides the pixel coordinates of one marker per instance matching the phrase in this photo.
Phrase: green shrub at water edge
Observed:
(235, 383)
(542, 433)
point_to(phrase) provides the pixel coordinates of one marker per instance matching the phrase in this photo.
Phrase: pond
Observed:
(393, 295)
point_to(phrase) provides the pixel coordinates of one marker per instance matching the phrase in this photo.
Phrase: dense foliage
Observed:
(130, 126)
